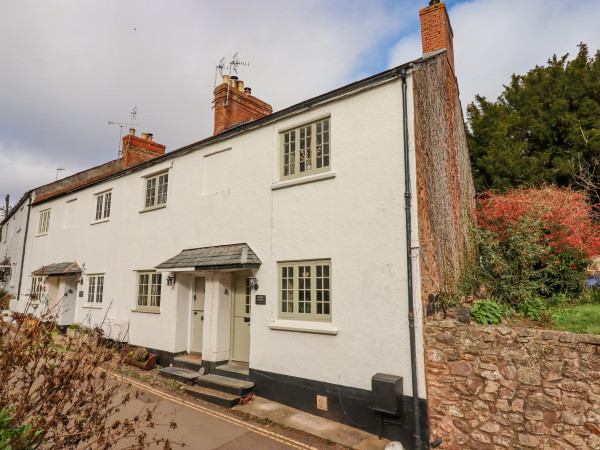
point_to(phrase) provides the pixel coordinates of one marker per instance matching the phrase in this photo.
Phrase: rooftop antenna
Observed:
(132, 118)
(58, 169)
(233, 65)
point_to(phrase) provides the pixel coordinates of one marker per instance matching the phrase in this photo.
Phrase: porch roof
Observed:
(62, 269)
(232, 256)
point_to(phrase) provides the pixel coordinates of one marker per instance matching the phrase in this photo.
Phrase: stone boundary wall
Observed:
(499, 387)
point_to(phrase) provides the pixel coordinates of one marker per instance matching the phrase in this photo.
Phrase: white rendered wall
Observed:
(356, 219)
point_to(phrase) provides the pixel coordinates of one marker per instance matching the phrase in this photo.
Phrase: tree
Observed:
(542, 125)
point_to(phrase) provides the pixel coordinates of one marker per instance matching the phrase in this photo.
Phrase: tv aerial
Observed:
(132, 117)
(233, 66)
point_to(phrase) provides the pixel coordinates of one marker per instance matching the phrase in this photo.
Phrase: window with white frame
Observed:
(95, 289)
(43, 222)
(37, 289)
(149, 288)
(103, 201)
(156, 190)
(305, 150)
(305, 290)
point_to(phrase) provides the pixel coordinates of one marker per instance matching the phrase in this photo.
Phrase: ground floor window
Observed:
(95, 289)
(305, 290)
(149, 288)
(37, 289)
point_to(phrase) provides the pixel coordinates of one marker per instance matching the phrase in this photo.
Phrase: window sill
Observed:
(303, 180)
(92, 306)
(147, 311)
(304, 326)
(152, 208)
(41, 234)
(99, 221)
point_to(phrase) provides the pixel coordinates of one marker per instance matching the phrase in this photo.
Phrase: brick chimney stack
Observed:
(138, 149)
(436, 32)
(236, 106)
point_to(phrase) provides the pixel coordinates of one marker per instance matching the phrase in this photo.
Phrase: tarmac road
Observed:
(202, 426)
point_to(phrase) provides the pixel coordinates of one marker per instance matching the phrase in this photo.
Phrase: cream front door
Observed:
(198, 314)
(240, 350)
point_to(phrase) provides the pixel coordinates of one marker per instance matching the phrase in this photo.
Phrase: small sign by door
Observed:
(261, 300)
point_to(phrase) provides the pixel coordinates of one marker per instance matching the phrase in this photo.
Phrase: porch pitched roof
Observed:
(58, 269)
(232, 256)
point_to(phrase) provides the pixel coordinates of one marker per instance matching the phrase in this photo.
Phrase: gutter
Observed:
(24, 245)
(411, 313)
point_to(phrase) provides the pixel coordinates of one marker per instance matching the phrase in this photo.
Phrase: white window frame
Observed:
(292, 290)
(43, 222)
(156, 188)
(102, 206)
(95, 290)
(37, 288)
(305, 150)
(148, 298)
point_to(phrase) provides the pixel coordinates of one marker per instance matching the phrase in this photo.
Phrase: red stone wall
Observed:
(498, 387)
(446, 196)
(235, 107)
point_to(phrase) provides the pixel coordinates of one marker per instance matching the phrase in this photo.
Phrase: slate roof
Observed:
(232, 256)
(58, 269)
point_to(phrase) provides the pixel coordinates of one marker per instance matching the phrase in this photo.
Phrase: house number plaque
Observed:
(261, 300)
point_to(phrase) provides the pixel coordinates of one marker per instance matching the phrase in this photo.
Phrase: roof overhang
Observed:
(63, 269)
(220, 257)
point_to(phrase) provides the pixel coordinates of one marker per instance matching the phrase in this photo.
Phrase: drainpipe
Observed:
(411, 309)
(24, 244)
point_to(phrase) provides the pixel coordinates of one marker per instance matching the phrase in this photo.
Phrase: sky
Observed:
(68, 67)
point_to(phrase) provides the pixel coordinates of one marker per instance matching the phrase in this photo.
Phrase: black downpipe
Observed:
(24, 244)
(411, 309)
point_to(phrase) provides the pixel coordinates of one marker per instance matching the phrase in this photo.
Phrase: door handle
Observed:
(246, 319)
(195, 313)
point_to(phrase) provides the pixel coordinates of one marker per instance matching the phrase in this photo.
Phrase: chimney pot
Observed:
(145, 136)
(248, 91)
(149, 136)
(240, 86)
(132, 132)
(225, 79)
(233, 81)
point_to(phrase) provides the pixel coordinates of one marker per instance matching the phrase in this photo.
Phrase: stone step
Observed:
(211, 396)
(188, 362)
(241, 388)
(233, 371)
(178, 374)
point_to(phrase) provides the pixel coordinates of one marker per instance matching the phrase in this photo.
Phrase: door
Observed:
(240, 350)
(198, 314)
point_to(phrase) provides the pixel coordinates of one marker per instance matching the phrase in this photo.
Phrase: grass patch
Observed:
(132, 374)
(583, 319)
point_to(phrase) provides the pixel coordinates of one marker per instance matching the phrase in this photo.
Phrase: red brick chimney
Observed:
(436, 32)
(234, 104)
(139, 149)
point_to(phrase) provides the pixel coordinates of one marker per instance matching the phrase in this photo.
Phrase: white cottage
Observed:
(291, 249)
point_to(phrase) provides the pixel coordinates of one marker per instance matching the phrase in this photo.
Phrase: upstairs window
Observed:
(305, 150)
(43, 222)
(103, 202)
(156, 190)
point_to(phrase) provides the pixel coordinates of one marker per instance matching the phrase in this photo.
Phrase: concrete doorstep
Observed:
(308, 423)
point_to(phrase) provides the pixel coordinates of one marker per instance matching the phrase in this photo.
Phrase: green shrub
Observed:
(15, 437)
(487, 313)
(533, 308)
(558, 300)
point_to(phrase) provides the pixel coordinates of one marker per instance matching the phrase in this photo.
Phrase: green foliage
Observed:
(533, 308)
(487, 313)
(590, 296)
(541, 125)
(558, 300)
(15, 437)
(74, 326)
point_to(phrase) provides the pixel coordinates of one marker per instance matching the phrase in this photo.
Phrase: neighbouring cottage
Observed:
(296, 250)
